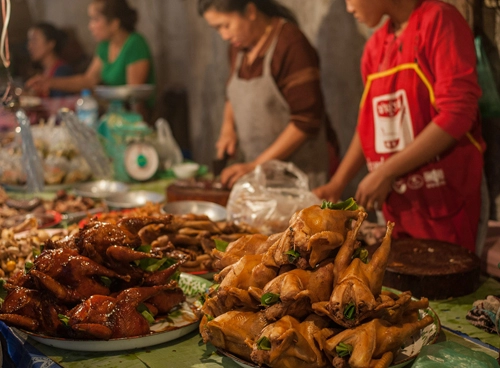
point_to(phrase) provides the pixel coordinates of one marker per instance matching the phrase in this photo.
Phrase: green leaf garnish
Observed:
(350, 311)
(362, 254)
(269, 299)
(36, 252)
(343, 350)
(209, 317)
(144, 249)
(28, 266)
(106, 281)
(64, 319)
(263, 343)
(347, 205)
(293, 255)
(154, 264)
(221, 245)
(142, 309)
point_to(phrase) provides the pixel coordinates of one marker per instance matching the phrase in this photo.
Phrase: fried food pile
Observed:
(191, 237)
(104, 282)
(309, 297)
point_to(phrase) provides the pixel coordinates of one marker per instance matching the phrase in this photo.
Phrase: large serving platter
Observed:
(178, 323)
(408, 352)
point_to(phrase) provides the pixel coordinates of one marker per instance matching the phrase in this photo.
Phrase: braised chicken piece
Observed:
(235, 280)
(247, 244)
(107, 317)
(357, 286)
(165, 300)
(69, 276)
(373, 344)
(289, 343)
(292, 293)
(32, 310)
(234, 331)
(96, 238)
(314, 233)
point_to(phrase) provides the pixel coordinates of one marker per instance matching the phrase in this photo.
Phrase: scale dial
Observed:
(141, 161)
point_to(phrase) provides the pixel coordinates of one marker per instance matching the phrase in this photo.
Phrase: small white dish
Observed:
(186, 170)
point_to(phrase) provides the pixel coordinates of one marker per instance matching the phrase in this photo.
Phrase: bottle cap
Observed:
(85, 92)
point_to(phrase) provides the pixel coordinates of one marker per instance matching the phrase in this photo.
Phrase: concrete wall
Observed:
(190, 55)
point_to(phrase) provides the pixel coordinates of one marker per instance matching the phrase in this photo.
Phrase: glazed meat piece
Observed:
(32, 311)
(247, 244)
(69, 276)
(357, 286)
(95, 238)
(234, 332)
(167, 299)
(289, 343)
(295, 291)
(107, 317)
(314, 233)
(374, 343)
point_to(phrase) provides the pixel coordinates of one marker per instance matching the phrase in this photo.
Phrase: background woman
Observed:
(274, 107)
(122, 55)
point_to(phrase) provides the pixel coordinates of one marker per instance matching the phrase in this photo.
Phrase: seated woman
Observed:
(45, 44)
(122, 56)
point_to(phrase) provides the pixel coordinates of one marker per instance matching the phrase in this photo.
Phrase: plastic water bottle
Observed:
(87, 109)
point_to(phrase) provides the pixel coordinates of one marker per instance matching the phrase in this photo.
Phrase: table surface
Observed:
(189, 351)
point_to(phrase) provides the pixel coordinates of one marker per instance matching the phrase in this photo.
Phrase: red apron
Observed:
(441, 199)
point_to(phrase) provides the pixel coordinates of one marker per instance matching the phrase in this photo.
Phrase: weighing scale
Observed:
(126, 134)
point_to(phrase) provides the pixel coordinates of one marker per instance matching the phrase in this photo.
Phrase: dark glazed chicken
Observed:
(292, 293)
(357, 286)
(288, 343)
(314, 233)
(107, 317)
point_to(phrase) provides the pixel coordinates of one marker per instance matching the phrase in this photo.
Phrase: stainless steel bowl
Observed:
(213, 210)
(125, 92)
(100, 188)
(133, 199)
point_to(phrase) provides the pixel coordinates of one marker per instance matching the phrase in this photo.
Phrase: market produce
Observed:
(314, 294)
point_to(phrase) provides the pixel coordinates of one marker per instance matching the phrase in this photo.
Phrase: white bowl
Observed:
(185, 170)
(133, 199)
(213, 210)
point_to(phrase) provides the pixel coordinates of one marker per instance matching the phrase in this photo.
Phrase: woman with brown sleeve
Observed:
(274, 107)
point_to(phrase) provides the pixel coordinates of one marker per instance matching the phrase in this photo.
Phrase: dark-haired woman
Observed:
(274, 107)
(122, 56)
(45, 44)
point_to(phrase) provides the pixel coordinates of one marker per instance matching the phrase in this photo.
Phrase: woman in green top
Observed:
(122, 56)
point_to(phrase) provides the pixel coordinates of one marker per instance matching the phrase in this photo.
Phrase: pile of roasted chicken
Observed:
(106, 281)
(309, 297)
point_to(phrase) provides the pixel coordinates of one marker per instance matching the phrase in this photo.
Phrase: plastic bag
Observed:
(489, 103)
(168, 150)
(453, 355)
(267, 197)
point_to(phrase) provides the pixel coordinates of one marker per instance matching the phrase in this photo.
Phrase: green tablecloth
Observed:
(189, 351)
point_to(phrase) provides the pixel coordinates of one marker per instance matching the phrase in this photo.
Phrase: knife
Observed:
(219, 164)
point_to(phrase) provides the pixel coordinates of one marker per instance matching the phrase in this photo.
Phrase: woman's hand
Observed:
(39, 84)
(373, 190)
(330, 192)
(227, 142)
(231, 174)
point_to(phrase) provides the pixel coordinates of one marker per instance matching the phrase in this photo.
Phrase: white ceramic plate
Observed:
(179, 323)
(409, 351)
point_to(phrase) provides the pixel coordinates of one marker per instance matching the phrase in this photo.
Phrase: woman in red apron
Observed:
(418, 128)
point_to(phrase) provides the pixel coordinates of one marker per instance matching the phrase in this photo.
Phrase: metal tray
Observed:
(125, 92)
(213, 210)
(100, 188)
(133, 199)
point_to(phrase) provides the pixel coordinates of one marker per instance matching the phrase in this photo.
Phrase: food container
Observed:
(213, 210)
(198, 190)
(133, 199)
(100, 188)
(185, 170)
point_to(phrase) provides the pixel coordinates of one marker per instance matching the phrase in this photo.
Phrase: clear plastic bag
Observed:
(453, 355)
(168, 149)
(267, 197)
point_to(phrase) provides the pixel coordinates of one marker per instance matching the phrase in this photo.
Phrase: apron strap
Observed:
(270, 51)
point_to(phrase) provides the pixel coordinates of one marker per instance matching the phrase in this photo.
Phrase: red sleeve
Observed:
(449, 45)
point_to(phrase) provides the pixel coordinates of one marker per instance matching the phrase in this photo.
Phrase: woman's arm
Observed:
(138, 72)
(349, 166)
(73, 83)
(431, 142)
